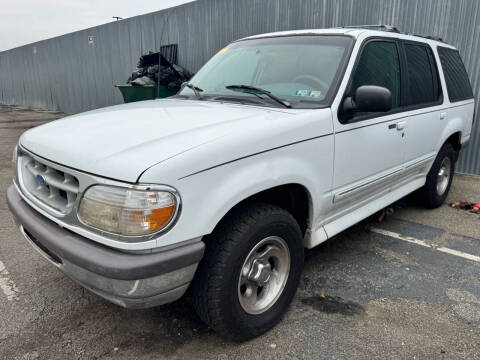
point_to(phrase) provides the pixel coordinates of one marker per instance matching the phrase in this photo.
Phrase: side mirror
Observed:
(369, 98)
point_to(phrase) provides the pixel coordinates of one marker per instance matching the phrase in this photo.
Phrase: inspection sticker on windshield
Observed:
(302, 92)
(224, 50)
(308, 93)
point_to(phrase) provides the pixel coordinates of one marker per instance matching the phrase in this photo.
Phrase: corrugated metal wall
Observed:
(72, 74)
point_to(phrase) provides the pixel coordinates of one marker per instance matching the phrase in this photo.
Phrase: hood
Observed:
(120, 142)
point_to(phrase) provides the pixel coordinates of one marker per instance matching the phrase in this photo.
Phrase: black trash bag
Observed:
(175, 84)
(143, 81)
(155, 69)
(152, 73)
(148, 60)
(184, 73)
(167, 75)
(135, 75)
(152, 70)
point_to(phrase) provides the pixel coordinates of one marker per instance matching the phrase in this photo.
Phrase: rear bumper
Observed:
(128, 280)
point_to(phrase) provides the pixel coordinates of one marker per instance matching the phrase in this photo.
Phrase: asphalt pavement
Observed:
(407, 287)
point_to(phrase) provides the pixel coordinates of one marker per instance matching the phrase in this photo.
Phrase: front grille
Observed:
(52, 187)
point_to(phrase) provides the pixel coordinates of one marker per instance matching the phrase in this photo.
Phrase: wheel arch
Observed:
(452, 133)
(293, 197)
(456, 141)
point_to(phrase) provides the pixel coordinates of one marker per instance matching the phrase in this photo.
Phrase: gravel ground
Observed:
(363, 294)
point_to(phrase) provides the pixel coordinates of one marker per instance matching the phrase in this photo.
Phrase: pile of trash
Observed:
(465, 205)
(154, 68)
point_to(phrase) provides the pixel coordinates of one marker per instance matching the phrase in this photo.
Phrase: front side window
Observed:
(378, 65)
(302, 70)
(423, 84)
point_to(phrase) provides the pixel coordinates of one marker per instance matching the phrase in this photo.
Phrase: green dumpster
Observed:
(138, 93)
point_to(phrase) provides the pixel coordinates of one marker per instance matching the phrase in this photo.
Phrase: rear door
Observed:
(427, 114)
(369, 147)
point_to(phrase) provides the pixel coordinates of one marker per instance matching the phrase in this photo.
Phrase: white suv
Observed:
(277, 144)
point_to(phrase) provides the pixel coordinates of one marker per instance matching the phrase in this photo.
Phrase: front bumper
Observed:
(126, 279)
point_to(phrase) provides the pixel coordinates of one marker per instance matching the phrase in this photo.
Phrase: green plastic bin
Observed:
(138, 93)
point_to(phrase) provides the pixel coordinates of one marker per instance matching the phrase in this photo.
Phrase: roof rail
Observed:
(436, 38)
(390, 28)
(380, 27)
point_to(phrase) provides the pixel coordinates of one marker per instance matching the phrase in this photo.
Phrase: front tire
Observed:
(250, 271)
(439, 178)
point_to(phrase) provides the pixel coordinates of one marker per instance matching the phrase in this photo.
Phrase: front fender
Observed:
(208, 195)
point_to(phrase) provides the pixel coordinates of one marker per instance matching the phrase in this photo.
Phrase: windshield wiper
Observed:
(195, 89)
(256, 90)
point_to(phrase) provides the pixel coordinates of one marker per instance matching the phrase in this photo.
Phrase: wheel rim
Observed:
(263, 275)
(443, 176)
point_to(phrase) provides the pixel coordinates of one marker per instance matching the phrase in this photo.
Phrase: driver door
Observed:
(369, 147)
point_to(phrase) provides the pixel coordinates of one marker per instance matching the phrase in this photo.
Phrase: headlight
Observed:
(127, 211)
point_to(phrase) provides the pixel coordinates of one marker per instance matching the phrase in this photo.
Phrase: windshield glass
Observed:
(302, 70)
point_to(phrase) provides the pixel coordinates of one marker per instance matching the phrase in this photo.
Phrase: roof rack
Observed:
(380, 27)
(391, 28)
(436, 38)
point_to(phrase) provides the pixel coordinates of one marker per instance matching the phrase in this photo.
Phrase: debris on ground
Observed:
(389, 210)
(382, 214)
(465, 205)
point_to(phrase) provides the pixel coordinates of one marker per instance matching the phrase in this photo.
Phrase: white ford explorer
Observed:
(277, 144)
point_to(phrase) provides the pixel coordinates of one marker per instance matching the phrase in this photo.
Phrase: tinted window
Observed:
(379, 65)
(423, 86)
(456, 77)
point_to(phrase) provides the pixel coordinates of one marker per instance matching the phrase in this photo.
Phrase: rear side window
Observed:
(379, 65)
(423, 84)
(456, 77)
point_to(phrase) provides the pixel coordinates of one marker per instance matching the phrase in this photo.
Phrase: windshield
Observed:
(302, 70)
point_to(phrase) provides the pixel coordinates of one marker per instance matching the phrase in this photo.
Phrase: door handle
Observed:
(443, 115)
(401, 125)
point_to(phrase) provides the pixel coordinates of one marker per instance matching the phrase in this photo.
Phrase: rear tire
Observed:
(250, 271)
(439, 178)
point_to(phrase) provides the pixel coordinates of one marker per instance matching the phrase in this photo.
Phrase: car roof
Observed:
(355, 33)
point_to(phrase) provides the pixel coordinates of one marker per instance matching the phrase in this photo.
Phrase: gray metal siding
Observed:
(69, 74)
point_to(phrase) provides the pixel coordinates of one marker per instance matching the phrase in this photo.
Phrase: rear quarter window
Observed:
(456, 77)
